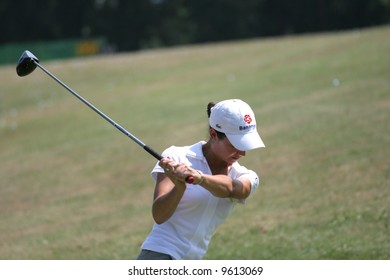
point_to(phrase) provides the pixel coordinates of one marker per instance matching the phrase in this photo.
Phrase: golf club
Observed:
(27, 64)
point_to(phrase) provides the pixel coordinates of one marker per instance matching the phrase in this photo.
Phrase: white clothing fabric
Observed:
(187, 233)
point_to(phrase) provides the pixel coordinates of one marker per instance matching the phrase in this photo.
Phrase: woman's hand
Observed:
(177, 172)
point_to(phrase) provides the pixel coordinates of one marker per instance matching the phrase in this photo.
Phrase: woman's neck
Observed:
(216, 164)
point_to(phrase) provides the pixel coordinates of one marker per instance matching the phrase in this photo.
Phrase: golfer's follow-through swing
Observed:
(27, 64)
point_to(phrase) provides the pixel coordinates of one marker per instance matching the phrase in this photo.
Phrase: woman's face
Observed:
(226, 151)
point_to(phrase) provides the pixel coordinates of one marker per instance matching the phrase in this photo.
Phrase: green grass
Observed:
(72, 187)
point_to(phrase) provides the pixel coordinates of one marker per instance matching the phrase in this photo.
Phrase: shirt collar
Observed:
(195, 151)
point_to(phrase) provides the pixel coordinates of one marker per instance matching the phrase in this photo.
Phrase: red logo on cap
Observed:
(247, 119)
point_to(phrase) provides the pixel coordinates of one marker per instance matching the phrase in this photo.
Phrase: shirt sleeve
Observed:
(239, 171)
(170, 152)
(253, 178)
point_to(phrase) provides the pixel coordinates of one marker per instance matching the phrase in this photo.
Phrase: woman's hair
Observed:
(220, 135)
(209, 106)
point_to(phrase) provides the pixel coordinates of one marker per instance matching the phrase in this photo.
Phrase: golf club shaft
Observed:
(120, 128)
(189, 179)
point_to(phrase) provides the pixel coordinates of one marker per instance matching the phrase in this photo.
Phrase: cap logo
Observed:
(245, 127)
(217, 125)
(247, 119)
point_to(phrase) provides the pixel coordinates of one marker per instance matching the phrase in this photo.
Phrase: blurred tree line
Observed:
(137, 24)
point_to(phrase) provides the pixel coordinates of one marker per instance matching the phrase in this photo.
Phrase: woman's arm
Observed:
(168, 191)
(224, 186)
(166, 198)
(170, 187)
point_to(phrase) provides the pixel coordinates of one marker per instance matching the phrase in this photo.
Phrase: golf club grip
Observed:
(189, 179)
(153, 152)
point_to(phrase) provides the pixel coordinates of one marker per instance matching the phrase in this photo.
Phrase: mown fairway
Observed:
(73, 187)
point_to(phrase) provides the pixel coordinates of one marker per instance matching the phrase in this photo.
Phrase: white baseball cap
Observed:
(236, 119)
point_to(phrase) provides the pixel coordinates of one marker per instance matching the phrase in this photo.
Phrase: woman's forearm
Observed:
(223, 186)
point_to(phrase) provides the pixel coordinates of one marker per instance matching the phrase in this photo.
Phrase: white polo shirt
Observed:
(187, 233)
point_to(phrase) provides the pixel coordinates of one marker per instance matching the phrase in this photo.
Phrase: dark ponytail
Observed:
(209, 106)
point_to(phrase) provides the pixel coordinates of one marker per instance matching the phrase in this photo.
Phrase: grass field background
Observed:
(72, 187)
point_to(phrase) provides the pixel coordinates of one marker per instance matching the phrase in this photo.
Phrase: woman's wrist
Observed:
(200, 177)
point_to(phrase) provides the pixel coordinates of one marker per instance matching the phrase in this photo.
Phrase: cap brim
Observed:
(245, 142)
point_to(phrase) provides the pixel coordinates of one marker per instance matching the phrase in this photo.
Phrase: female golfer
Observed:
(187, 215)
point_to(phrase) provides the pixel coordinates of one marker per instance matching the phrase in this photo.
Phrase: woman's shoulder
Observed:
(239, 169)
(178, 153)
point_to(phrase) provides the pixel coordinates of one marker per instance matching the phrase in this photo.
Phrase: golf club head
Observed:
(26, 64)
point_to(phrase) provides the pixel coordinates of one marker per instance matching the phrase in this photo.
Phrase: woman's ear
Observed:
(213, 134)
